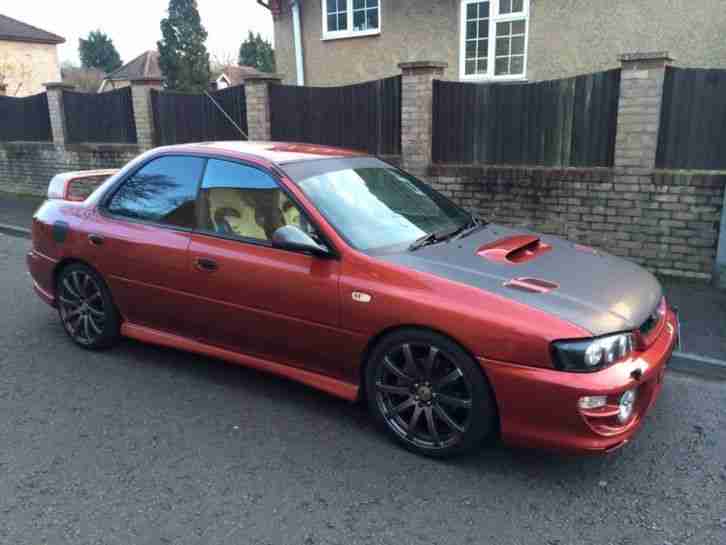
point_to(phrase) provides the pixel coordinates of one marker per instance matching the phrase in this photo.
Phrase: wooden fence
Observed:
(566, 122)
(100, 117)
(180, 118)
(25, 119)
(366, 116)
(693, 120)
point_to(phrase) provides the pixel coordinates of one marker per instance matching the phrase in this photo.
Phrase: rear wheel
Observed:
(86, 309)
(429, 393)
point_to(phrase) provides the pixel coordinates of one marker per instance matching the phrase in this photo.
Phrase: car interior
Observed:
(248, 213)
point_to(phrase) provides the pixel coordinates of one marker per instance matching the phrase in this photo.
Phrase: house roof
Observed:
(17, 31)
(145, 65)
(236, 75)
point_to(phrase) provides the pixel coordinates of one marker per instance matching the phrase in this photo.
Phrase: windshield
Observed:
(372, 204)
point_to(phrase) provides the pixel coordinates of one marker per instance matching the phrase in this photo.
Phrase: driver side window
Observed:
(244, 202)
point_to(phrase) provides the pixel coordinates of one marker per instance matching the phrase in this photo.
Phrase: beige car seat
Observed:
(236, 211)
(290, 212)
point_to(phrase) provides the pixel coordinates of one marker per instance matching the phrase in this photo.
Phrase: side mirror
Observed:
(290, 237)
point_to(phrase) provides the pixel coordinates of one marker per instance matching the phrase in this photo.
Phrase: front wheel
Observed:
(86, 309)
(429, 393)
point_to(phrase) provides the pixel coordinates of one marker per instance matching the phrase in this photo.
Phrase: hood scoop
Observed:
(514, 250)
(531, 285)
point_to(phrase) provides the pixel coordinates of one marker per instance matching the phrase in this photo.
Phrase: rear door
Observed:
(139, 240)
(277, 304)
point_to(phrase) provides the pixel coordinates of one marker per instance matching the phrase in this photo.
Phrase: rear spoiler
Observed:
(77, 186)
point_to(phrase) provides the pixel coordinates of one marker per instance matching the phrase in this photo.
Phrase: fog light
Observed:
(626, 406)
(592, 402)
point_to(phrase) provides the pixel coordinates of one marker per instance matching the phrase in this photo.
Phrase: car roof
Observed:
(274, 152)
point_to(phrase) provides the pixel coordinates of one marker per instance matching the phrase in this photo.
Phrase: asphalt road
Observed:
(145, 445)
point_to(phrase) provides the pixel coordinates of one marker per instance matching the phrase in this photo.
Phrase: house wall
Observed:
(566, 38)
(351, 60)
(27, 66)
(569, 38)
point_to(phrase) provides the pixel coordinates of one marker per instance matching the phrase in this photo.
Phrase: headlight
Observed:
(592, 354)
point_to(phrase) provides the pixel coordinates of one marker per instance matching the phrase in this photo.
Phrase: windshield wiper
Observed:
(471, 226)
(432, 238)
(456, 233)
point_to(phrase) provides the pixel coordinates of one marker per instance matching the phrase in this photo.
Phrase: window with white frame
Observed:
(350, 18)
(494, 39)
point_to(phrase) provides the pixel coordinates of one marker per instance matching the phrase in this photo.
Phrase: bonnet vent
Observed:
(531, 285)
(514, 250)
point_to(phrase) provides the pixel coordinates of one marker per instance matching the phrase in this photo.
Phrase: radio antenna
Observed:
(210, 97)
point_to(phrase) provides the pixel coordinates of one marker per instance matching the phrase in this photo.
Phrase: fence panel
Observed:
(567, 122)
(25, 119)
(180, 118)
(693, 120)
(366, 116)
(100, 117)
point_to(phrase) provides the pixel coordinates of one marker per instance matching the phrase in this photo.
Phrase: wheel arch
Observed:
(378, 337)
(66, 262)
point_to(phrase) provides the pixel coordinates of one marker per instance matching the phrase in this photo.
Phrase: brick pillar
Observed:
(417, 92)
(641, 95)
(257, 93)
(54, 91)
(143, 113)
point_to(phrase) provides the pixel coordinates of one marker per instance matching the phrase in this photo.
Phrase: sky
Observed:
(133, 25)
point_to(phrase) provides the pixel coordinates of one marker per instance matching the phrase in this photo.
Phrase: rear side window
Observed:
(163, 191)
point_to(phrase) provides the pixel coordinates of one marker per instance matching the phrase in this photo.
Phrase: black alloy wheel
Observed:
(85, 307)
(430, 394)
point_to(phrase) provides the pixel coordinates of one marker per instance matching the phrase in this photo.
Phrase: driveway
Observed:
(148, 445)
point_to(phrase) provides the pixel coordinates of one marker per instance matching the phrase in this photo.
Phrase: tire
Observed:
(86, 309)
(445, 412)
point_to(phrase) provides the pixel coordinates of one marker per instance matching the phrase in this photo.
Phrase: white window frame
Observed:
(349, 33)
(494, 18)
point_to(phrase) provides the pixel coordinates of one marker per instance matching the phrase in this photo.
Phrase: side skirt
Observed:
(327, 384)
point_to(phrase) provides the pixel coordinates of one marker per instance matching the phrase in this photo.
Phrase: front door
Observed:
(276, 304)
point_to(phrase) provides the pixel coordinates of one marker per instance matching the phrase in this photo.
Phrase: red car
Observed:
(345, 273)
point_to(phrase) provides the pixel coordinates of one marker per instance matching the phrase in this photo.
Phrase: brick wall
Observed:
(27, 167)
(667, 221)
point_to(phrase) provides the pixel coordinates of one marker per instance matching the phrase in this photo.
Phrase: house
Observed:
(28, 58)
(145, 66)
(332, 42)
(231, 76)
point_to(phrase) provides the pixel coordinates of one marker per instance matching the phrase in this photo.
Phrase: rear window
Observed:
(162, 191)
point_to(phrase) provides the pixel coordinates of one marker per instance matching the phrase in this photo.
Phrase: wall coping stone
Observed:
(423, 65)
(80, 147)
(59, 85)
(470, 170)
(645, 56)
(27, 143)
(103, 147)
(262, 77)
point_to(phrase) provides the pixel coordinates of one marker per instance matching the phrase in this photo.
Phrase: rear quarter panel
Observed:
(57, 235)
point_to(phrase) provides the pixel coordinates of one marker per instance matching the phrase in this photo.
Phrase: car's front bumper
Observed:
(539, 407)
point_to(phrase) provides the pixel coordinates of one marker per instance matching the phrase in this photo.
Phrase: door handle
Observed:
(206, 265)
(96, 240)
